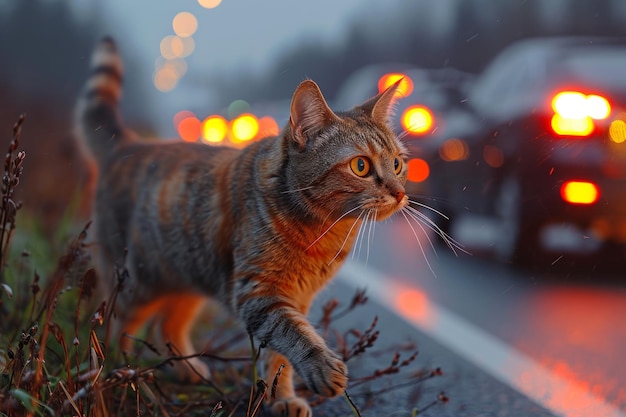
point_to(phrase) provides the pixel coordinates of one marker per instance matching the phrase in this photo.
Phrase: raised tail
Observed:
(97, 118)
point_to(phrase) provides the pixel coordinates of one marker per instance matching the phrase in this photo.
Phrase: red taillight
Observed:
(580, 192)
(572, 127)
(574, 112)
(598, 107)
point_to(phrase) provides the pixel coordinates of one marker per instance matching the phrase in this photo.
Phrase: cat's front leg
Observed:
(278, 324)
(282, 397)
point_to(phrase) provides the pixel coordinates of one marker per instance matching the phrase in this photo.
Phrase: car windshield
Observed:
(603, 69)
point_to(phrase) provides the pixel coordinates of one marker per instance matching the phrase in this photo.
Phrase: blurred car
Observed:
(543, 157)
(427, 96)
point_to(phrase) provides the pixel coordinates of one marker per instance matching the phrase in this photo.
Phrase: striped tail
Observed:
(97, 115)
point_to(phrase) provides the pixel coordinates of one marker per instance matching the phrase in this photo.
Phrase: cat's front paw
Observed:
(324, 373)
(291, 407)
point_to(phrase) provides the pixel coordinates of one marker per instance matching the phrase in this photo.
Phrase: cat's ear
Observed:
(381, 107)
(309, 112)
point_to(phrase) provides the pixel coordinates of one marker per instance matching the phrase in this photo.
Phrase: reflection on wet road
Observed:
(560, 339)
(580, 336)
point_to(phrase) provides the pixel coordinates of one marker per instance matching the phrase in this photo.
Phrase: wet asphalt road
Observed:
(571, 325)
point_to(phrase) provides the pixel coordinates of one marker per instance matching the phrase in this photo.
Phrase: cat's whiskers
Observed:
(366, 227)
(421, 220)
(358, 243)
(424, 219)
(345, 240)
(370, 235)
(449, 241)
(427, 207)
(402, 135)
(333, 224)
(419, 243)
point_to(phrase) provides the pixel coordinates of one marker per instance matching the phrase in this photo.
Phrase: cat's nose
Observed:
(399, 195)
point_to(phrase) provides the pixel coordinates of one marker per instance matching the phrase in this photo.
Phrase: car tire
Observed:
(518, 236)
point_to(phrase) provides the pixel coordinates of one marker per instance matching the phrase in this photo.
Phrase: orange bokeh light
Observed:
(244, 127)
(493, 156)
(183, 114)
(268, 127)
(167, 47)
(417, 120)
(209, 4)
(617, 131)
(214, 129)
(404, 89)
(173, 47)
(454, 150)
(185, 24)
(190, 129)
(165, 79)
(418, 170)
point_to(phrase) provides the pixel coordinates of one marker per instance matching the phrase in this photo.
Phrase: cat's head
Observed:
(345, 162)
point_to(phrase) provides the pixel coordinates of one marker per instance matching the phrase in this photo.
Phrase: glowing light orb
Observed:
(185, 24)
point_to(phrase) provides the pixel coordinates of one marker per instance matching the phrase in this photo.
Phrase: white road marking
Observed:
(560, 396)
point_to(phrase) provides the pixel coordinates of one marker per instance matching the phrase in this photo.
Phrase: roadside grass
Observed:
(56, 358)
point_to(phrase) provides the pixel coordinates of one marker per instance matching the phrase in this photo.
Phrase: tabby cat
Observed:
(261, 229)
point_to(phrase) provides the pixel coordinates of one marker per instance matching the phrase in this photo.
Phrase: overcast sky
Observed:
(244, 35)
(237, 32)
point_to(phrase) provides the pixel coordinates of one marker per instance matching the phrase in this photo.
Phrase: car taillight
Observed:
(580, 192)
(575, 112)
(417, 120)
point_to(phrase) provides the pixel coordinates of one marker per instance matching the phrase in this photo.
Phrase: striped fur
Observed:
(261, 229)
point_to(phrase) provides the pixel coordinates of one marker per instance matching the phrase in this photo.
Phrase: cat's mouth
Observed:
(388, 207)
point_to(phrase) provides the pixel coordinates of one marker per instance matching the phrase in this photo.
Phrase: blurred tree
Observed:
(590, 17)
(45, 54)
(45, 47)
(465, 34)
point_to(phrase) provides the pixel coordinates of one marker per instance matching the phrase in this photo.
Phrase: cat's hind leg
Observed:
(179, 313)
(132, 320)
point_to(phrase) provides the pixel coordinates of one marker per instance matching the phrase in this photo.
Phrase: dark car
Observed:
(540, 167)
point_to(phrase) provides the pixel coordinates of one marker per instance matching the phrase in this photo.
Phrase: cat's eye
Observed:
(360, 166)
(397, 165)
